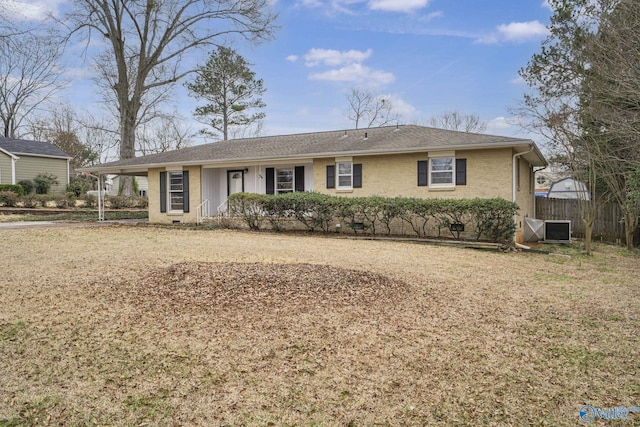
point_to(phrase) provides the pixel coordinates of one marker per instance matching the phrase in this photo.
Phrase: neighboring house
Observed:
(112, 184)
(24, 160)
(569, 188)
(546, 177)
(412, 161)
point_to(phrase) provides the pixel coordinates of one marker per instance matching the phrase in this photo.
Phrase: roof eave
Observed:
(519, 143)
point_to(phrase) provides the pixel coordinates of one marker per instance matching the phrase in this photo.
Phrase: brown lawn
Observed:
(143, 326)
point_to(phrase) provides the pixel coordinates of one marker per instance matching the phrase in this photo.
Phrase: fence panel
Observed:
(607, 226)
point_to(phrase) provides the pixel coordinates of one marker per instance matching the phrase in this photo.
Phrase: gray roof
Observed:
(372, 141)
(31, 148)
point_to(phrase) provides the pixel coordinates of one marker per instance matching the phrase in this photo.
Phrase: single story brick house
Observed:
(23, 160)
(409, 160)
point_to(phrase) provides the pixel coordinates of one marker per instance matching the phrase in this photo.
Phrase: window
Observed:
(441, 172)
(176, 191)
(284, 180)
(345, 175)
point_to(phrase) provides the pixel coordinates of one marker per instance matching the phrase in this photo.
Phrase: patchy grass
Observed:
(156, 326)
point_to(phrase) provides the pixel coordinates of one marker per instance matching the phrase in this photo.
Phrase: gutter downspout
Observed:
(13, 170)
(514, 177)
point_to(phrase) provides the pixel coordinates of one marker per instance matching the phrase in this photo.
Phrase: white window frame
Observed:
(350, 175)
(171, 192)
(293, 180)
(432, 170)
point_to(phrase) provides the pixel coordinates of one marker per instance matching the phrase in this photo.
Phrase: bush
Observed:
(118, 202)
(89, 201)
(44, 181)
(16, 189)
(489, 219)
(8, 199)
(79, 185)
(27, 185)
(31, 201)
(63, 202)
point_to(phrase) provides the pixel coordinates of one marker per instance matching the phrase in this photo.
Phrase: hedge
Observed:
(13, 188)
(483, 219)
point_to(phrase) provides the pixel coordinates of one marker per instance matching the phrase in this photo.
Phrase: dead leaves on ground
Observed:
(218, 286)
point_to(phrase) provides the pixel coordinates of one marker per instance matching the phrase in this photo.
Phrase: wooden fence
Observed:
(607, 227)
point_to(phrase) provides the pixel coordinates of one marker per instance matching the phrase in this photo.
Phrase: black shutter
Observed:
(299, 178)
(423, 173)
(163, 192)
(185, 191)
(357, 175)
(461, 171)
(331, 176)
(271, 180)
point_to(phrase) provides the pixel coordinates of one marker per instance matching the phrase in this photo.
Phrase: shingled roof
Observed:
(372, 141)
(20, 147)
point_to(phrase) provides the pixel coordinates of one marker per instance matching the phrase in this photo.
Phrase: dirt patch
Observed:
(256, 286)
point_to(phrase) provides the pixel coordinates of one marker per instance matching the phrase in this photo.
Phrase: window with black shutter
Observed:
(271, 180)
(331, 176)
(461, 171)
(423, 173)
(357, 175)
(299, 178)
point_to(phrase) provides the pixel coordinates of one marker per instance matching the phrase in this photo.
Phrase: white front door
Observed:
(235, 182)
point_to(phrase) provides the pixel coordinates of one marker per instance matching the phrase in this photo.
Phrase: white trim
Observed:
(13, 170)
(452, 184)
(44, 155)
(344, 159)
(13, 156)
(344, 187)
(442, 154)
(169, 203)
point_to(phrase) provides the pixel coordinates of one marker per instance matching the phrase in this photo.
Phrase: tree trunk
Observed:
(588, 231)
(127, 147)
(630, 224)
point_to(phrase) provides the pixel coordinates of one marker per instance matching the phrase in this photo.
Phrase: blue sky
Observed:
(428, 56)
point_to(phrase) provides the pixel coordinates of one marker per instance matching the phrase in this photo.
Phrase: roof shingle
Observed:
(389, 139)
(33, 148)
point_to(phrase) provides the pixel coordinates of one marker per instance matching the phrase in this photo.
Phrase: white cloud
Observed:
(516, 32)
(39, 10)
(405, 110)
(522, 31)
(334, 58)
(517, 81)
(356, 73)
(397, 5)
(292, 58)
(546, 4)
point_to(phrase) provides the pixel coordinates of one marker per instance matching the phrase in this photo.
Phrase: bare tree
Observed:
(454, 120)
(611, 111)
(165, 133)
(61, 127)
(371, 108)
(148, 42)
(29, 76)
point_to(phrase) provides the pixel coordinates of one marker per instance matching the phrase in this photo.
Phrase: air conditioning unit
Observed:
(557, 231)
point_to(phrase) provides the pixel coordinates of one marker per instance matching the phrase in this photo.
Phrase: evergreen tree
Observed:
(231, 89)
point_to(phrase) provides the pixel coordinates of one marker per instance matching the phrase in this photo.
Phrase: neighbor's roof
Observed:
(31, 148)
(371, 141)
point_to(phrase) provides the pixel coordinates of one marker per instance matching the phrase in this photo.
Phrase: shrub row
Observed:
(16, 189)
(486, 219)
(69, 200)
